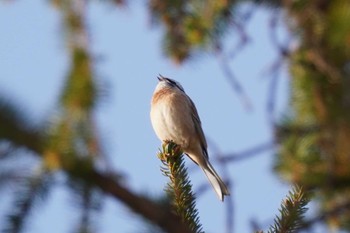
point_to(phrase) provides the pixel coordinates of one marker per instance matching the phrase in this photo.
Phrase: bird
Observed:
(174, 117)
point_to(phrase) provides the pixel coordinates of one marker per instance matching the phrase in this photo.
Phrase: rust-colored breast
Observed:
(161, 94)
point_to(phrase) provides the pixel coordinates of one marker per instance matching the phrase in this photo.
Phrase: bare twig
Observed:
(229, 199)
(271, 100)
(231, 78)
(274, 69)
(337, 210)
(263, 147)
(225, 58)
(240, 25)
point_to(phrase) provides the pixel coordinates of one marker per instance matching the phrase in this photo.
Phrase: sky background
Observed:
(128, 50)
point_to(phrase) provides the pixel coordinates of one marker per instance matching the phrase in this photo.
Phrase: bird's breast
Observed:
(172, 120)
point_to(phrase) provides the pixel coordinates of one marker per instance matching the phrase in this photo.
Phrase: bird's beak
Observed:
(160, 78)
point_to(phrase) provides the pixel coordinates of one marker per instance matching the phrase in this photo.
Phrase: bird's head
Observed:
(169, 83)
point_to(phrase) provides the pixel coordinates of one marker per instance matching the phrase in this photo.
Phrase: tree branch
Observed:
(338, 210)
(247, 153)
(156, 213)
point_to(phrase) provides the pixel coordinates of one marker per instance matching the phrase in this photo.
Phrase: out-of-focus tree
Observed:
(314, 137)
(313, 152)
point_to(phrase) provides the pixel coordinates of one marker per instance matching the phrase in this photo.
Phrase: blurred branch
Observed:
(232, 80)
(192, 26)
(323, 216)
(224, 58)
(89, 200)
(15, 128)
(35, 188)
(225, 158)
(271, 99)
(158, 214)
(9, 177)
(323, 65)
(284, 50)
(229, 221)
(240, 25)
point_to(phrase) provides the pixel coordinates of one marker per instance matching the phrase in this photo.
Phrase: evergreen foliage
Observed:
(192, 26)
(314, 150)
(34, 189)
(292, 212)
(313, 138)
(179, 188)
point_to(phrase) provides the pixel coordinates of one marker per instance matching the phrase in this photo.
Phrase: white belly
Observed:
(169, 123)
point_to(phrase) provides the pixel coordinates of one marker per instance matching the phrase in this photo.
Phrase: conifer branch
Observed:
(34, 189)
(292, 212)
(179, 188)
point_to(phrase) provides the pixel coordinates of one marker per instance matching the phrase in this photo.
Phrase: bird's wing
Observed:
(198, 127)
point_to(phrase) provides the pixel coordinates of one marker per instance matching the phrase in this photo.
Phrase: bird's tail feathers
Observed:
(215, 180)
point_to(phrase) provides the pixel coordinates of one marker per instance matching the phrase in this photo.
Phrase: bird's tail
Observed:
(215, 180)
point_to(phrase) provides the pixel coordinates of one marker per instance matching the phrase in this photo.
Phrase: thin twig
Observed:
(225, 58)
(323, 216)
(232, 80)
(240, 25)
(229, 199)
(274, 69)
(253, 151)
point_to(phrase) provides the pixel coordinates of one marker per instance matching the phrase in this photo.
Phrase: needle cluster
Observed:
(179, 188)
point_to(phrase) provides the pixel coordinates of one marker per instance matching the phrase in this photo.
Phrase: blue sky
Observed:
(34, 62)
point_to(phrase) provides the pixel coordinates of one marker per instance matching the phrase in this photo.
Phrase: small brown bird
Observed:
(174, 117)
